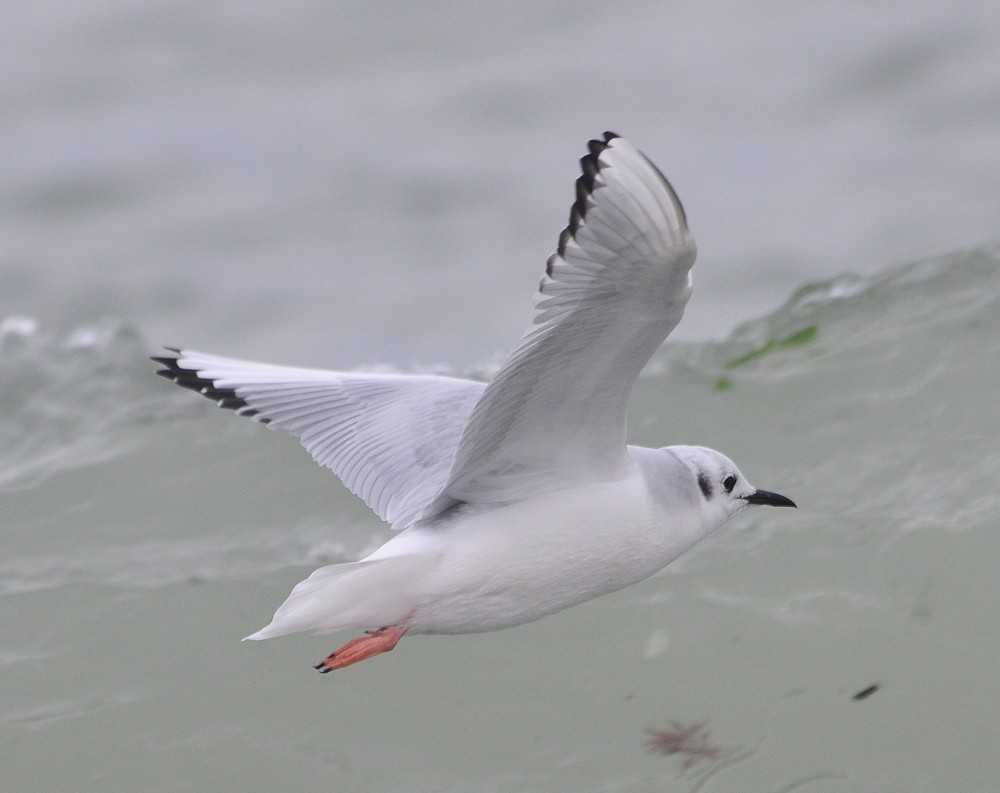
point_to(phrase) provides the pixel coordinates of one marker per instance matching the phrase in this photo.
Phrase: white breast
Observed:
(518, 563)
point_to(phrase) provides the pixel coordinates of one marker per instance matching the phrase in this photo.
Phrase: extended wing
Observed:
(390, 438)
(554, 415)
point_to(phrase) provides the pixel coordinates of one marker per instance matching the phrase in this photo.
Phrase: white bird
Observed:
(518, 498)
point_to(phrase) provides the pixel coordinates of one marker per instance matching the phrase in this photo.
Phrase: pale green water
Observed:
(145, 532)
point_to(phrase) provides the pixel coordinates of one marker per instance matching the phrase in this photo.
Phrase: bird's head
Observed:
(723, 490)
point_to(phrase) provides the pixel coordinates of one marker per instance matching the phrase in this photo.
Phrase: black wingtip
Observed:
(168, 362)
(190, 379)
(590, 167)
(598, 145)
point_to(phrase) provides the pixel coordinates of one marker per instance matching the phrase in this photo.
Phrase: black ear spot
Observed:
(729, 483)
(705, 484)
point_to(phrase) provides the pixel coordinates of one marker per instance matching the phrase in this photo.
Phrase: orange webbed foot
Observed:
(371, 644)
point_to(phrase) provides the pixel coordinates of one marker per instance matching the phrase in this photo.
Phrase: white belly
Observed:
(516, 564)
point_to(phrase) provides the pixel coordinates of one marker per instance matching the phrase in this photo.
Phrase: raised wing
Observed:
(554, 415)
(390, 438)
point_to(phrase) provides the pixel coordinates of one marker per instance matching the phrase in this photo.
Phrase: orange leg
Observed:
(372, 643)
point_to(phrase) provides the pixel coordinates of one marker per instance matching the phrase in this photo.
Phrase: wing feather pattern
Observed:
(553, 416)
(390, 438)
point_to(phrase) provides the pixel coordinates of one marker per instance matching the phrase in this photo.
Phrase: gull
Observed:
(520, 497)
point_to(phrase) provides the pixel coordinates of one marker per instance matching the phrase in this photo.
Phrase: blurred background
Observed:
(304, 181)
(354, 185)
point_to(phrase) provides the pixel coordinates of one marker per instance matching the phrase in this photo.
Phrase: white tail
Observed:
(366, 594)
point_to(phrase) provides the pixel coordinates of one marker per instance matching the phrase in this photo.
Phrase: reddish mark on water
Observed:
(692, 743)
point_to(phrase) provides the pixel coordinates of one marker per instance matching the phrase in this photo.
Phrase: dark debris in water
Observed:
(865, 693)
(693, 743)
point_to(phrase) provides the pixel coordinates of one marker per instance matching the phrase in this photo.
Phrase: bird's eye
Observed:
(729, 483)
